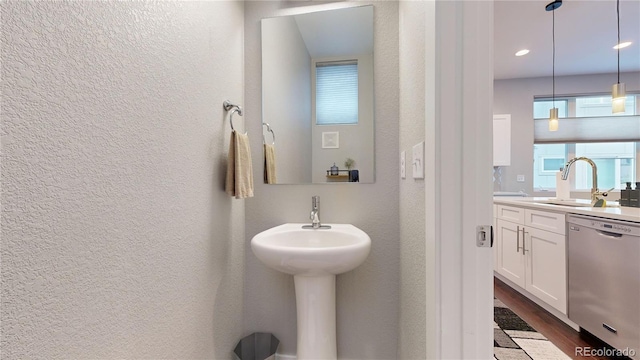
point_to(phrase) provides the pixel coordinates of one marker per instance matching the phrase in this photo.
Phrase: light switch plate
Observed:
(403, 165)
(418, 161)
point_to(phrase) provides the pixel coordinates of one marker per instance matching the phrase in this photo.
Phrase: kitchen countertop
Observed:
(616, 213)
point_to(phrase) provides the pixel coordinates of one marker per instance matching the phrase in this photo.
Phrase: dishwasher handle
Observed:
(608, 234)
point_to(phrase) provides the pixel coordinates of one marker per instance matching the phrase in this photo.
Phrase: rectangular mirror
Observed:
(317, 97)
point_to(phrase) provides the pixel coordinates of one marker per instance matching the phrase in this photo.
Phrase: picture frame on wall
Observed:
(331, 140)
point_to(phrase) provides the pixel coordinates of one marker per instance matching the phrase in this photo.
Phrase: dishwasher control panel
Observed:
(607, 226)
(611, 226)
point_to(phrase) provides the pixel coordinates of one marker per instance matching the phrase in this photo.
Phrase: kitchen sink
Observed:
(574, 202)
(568, 202)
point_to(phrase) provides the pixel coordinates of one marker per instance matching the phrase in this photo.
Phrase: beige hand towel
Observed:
(269, 164)
(239, 182)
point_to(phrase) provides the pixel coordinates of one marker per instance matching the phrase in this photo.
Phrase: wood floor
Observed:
(559, 333)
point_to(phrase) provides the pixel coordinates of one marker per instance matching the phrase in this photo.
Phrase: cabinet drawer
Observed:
(550, 221)
(511, 213)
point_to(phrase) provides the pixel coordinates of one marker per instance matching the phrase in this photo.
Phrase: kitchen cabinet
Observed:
(502, 140)
(531, 252)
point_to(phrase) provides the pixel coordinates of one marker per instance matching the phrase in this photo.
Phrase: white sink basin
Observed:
(314, 257)
(293, 250)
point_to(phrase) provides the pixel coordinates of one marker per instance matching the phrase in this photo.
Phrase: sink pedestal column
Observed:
(316, 311)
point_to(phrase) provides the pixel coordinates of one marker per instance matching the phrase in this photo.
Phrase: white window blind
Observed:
(589, 120)
(591, 129)
(337, 93)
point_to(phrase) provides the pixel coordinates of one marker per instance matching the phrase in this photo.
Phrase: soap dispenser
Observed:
(625, 194)
(634, 196)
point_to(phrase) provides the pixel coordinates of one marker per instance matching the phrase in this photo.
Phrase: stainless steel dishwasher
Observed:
(604, 279)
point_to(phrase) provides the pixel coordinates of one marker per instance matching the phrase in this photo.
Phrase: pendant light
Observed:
(618, 93)
(553, 112)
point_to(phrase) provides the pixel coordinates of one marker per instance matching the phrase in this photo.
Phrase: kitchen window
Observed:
(541, 108)
(583, 106)
(616, 162)
(609, 140)
(552, 164)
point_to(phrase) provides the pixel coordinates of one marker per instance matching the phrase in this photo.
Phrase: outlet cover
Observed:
(520, 178)
(403, 165)
(418, 161)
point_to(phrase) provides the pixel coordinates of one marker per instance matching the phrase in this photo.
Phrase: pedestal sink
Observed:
(314, 257)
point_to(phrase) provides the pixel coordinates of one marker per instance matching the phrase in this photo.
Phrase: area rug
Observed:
(514, 339)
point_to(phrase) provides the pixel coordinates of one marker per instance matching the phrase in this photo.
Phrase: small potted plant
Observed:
(349, 163)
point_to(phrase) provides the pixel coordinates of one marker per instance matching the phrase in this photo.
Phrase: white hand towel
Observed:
(269, 164)
(239, 182)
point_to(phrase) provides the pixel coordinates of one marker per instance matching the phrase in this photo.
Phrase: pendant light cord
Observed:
(618, 45)
(553, 57)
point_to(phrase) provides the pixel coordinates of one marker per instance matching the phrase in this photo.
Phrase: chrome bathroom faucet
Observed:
(315, 212)
(315, 215)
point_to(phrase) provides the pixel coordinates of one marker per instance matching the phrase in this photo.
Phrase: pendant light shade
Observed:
(618, 95)
(618, 92)
(553, 119)
(553, 112)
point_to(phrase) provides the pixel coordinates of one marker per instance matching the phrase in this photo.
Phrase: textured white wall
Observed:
(117, 238)
(367, 297)
(413, 256)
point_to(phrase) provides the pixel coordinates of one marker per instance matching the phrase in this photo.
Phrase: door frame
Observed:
(458, 189)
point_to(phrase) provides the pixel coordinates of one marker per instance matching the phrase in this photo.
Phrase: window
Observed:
(552, 164)
(337, 92)
(616, 163)
(541, 108)
(601, 106)
(582, 106)
(592, 131)
(547, 160)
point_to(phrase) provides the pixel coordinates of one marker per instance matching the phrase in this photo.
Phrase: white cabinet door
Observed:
(502, 140)
(531, 252)
(546, 268)
(511, 260)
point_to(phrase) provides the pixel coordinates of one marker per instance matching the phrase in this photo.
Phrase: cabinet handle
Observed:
(518, 239)
(524, 249)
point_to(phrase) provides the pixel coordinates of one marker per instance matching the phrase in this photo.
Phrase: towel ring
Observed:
(273, 135)
(227, 105)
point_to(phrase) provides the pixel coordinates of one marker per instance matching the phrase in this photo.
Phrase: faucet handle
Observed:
(605, 193)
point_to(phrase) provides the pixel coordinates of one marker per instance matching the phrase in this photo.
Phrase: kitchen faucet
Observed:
(315, 215)
(594, 171)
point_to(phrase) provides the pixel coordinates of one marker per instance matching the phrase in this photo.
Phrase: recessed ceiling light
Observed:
(522, 52)
(622, 45)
